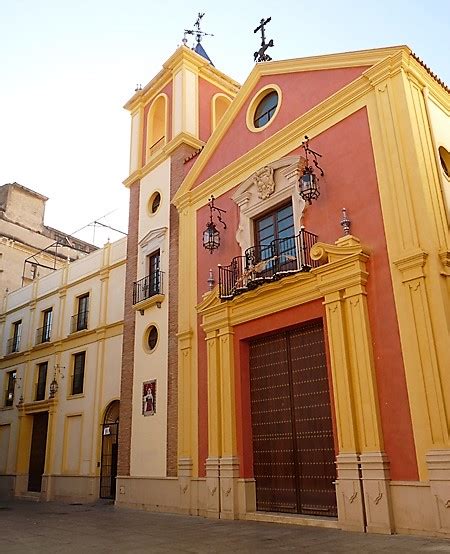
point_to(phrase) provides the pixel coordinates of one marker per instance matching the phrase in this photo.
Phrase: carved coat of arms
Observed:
(264, 181)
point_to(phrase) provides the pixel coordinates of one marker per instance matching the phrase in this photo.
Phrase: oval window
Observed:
(444, 156)
(152, 337)
(154, 202)
(265, 109)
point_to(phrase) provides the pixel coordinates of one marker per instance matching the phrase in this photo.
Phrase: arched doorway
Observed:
(108, 470)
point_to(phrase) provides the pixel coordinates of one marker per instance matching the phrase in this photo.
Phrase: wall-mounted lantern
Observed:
(308, 183)
(54, 384)
(211, 235)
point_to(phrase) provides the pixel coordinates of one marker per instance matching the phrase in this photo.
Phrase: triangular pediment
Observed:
(221, 146)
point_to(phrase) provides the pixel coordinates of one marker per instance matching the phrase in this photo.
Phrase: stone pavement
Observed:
(29, 527)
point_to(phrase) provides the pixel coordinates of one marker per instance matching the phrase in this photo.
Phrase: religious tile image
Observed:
(149, 398)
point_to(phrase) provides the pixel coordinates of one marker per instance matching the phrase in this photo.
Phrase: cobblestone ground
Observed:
(29, 527)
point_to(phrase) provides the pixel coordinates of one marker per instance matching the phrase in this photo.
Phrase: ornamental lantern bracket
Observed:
(211, 235)
(309, 182)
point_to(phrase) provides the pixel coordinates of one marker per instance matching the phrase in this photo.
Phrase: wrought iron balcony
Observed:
(148, 286)
(13, 345)
(264, 263)
(43, 334)
(79, 321)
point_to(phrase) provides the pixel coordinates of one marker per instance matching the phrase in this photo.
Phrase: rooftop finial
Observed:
(260, 55)
(199, 34)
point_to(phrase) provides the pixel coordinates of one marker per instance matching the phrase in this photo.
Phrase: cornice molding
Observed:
(162, 155)
(344, 269)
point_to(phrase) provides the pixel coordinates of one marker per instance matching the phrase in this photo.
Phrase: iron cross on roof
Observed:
(199, 34)
(260, 55)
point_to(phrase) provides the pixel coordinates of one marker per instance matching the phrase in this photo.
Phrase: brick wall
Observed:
(177, 174)
(126, 384)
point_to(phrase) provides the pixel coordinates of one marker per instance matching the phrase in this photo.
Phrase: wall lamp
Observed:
(211, 235)
(308, 183)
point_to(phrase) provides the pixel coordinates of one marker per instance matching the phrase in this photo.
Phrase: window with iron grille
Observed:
(78, 372)
(16, 334)
(42, 381)
(153, 265)
(81, 319)
(10, 386)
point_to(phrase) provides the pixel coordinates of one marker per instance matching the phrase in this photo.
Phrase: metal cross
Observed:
(260, 55)
(199, 34)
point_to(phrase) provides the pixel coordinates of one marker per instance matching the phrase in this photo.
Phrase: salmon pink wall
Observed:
(206, 92)
(166, 90)
(300, 93)
(350, 181)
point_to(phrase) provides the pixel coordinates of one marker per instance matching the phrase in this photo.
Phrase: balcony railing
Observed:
(43, 334)
(148, 286)
(79, 321)
(13, 345)
(264, 263)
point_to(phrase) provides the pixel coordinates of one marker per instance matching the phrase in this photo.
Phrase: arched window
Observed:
(156, 126)
(220, 104)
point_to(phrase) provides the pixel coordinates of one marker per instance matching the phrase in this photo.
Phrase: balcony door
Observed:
(275, 240)
(153, 266)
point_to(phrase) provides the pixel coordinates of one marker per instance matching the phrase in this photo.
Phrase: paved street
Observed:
(28, 527)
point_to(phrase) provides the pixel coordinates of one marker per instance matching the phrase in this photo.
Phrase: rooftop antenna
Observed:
(199, 34)
(260, 55)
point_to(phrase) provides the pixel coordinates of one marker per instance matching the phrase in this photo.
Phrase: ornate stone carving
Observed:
(264, 181)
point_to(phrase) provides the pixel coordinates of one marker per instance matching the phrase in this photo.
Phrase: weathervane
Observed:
(260, 55)
(199, 34)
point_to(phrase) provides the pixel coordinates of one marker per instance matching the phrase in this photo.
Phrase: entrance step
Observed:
(293, 519)
(30, 496)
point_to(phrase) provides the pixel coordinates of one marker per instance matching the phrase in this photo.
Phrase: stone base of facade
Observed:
(65, 488)
(7, 486)
(372, 504)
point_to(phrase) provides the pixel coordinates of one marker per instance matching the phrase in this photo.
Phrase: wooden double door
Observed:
(293, 446)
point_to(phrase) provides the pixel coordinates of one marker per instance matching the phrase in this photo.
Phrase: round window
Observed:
(152, 337)
(444, 156)
(265, 109)
(154, 202)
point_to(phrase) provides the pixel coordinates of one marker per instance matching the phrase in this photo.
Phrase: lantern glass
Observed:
(211, 237)
(309, 189)
(53, 388)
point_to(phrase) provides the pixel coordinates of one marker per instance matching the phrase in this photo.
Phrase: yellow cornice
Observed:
(182, 57)
(344, 267)
(74, 340)
(276, 146)
(383, 63)
(162, 155)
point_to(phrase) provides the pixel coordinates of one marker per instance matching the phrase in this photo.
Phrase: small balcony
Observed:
(79, 322)
(13, 345)
(43, 334)
(264, 263)
(148, 287)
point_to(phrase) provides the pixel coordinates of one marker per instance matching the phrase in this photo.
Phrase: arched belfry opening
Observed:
(156, 126)
(110, 444)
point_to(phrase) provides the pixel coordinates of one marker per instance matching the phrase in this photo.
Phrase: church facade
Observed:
(290, 359)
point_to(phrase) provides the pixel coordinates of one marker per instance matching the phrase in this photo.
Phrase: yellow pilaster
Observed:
(227, 392)
(214, 396)
(417, 237)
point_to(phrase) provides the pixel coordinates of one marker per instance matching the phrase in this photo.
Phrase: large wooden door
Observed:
(37, 452)
(293, 449)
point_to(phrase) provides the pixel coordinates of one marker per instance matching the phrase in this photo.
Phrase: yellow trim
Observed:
(341, 282)
(150, 116)
(181, 138)
(217, 96)
(252, 107)
(145, 336)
